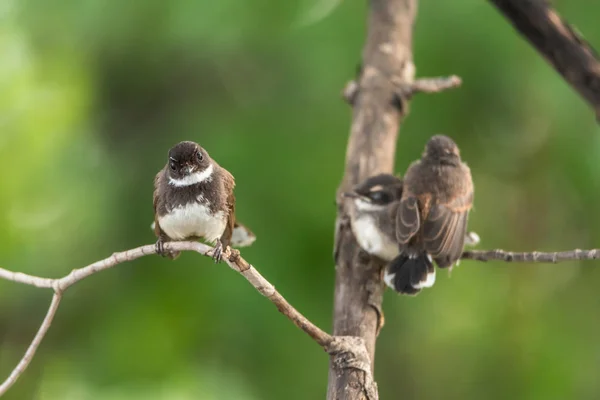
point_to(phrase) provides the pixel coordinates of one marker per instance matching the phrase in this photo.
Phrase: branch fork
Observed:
(332, 345)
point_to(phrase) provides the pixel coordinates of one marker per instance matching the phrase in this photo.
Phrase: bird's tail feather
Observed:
(242, 236)
(408, 274)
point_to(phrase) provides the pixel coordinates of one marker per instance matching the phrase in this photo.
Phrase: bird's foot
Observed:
(218, 251)
(160, 248)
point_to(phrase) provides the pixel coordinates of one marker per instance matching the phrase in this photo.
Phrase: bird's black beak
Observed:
(350, 195)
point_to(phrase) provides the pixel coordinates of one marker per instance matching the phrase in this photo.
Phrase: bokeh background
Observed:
(94, 92)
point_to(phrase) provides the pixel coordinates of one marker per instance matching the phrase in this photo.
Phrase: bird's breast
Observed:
(194, 219)
(372, 240)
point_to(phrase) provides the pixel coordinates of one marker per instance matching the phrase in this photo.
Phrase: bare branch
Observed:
(350, 91)
(387, 63)
(233, 259)
(535, 256)
(431, 85)
(407, 90)
(35, 343)
(347, 353)
(558, 43)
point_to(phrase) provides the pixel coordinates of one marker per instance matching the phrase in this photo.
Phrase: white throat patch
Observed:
(364, 205)
(194, 178)
(372, 240)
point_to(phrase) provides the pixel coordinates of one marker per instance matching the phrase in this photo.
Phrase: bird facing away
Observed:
(193, 199)
(431, 221)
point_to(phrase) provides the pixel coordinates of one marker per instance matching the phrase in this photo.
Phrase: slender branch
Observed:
(233, 259)
(558, 43)
(430, 85)
(535, 256)
(35, 343)
(407, 90)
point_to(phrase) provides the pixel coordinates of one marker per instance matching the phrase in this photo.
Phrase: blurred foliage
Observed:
(93, 93)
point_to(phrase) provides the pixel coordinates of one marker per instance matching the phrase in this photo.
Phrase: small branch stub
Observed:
(406, 91)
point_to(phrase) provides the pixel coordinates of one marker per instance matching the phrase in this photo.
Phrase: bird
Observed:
(431, 220)
(194, 199)
(375, 202)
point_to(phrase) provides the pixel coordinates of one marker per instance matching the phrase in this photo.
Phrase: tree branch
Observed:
(337, 347)
(536, 256)
(35, 343)
(349, 354)
(407, 90)
(558, 43)
(379, 97)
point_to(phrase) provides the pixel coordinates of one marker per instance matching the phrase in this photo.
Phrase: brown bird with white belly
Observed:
(432, 217)
(193, 199)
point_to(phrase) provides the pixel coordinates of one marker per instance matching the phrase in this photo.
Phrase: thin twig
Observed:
(35, 343)
(407, 90)
(433, 85)
(535, 256)
(231, 257)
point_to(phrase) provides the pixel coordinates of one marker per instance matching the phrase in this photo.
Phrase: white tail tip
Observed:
(428, 282)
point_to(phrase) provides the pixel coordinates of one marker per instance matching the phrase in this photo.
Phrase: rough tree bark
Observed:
(379, 98)
(378, 105)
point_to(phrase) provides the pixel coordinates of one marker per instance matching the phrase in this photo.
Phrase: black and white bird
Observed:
(412, 222)
(193, 199)
(431, 222)
(373, 214)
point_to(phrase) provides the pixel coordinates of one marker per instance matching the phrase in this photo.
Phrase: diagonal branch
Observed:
(558, 43)
(535, 256)
(334, 346)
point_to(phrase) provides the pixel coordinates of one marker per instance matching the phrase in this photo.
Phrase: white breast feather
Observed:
(372, 241)
(193, 219)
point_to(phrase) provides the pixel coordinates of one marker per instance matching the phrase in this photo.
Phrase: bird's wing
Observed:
(445, 227)
(229, 183)
(155, 200)
(407, 219)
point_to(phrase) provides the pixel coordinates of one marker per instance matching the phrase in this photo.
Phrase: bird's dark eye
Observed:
(199, 156)
(380, 196)
(173, 166)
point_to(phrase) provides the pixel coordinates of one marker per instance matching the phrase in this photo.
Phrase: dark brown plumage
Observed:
(432, 217)
(194, 199)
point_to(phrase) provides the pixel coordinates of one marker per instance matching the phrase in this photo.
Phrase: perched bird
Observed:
(373, 221)
(431, 220)
(193, 199)
(373, 214)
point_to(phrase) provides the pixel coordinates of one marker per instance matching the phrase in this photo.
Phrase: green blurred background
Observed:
(92, 95)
